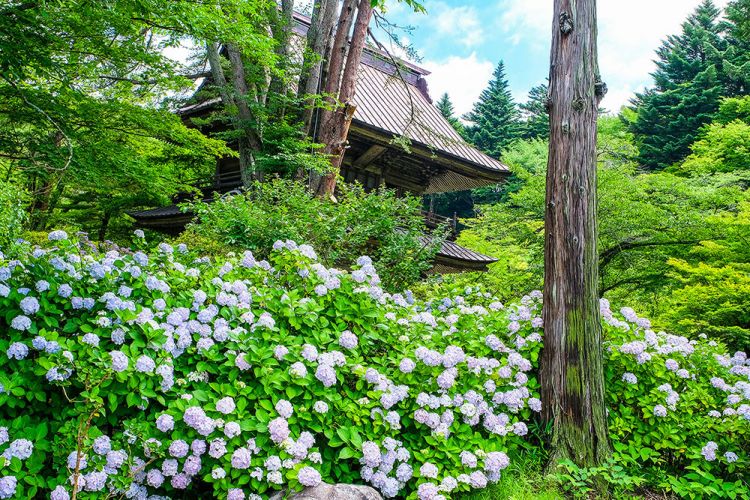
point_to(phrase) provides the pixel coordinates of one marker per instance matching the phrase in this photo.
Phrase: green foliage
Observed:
(379, 224)
(673, 417)
(723, 148)
(534, 114)
(583, 482)
(445, 106)
(12, 213)
(706, 61)
(143, 338)
(494, 118)
(87, 127)
(648, 223)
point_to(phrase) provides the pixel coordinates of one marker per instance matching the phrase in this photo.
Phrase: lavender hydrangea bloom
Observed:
(225, 405)
(241, 458)
(102, 445)
(629, 378)
(29, 305)
(406, 365)
(154, 478)
(235, 494)
(21, 323)
(308, 476)
(320, 407)
(709, 451)
(119, 361)
(730, 457)
(17, 350)
(178, 448)
(348, 340)
(59, 493)
(278, 428)
(326, 374)
(20, 449)
(8, 486)
(145, 364)
(284, 408)
(57, 235)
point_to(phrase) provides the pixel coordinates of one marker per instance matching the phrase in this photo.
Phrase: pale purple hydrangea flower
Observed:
(278, 428)
(660, 411)
(298, 369)
(308, 476)
(348, 340)
(709, 451)
(21, 323)
(284, 408)
(235, 494)
(232, 429)
(20, 449)
(102, 445)
(730, 457)
(145, 364)
(59, 493)
(225, 405)
(326, 374)
(178, 448)
(57, 235)
(241, 458)
(428, 470)
(17, 350)
(406, 365)
(629, 378)
(320, 407)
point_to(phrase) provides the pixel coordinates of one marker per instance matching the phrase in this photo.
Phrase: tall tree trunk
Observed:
(318, 36)
(334, 126)
(571, 371)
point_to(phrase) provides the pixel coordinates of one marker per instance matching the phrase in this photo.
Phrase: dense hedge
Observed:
(167, 374)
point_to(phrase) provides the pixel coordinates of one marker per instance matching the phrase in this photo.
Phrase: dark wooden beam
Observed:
(373, 153)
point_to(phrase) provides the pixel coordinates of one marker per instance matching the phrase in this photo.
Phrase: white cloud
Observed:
(463, 78)
(460, 23)
(629, 34)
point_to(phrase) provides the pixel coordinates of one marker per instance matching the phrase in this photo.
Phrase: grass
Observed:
(524, 479)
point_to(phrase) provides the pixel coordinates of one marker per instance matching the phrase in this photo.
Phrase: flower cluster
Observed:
(197, 372)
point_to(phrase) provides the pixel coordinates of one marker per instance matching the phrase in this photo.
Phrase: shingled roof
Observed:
(390, 104)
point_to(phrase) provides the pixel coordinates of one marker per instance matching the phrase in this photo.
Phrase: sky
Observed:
(461, 42)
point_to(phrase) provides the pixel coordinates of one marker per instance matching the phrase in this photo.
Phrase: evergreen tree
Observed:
(445, 106)
(534, 115)
(669, 122)
(690, 78)
(495, 119)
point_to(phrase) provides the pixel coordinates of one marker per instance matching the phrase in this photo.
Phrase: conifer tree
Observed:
(495, 117)
(694, 70)
(445, 106)
(534, 115)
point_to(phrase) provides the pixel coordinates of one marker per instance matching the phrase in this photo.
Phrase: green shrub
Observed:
(299, 371)
(379, 224)
(171, 374)
(13, 214)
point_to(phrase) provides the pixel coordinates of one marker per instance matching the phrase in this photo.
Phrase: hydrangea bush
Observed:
(160, 374)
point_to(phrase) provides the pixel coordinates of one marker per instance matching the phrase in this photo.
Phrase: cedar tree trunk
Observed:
(334, 125)
(571, 371)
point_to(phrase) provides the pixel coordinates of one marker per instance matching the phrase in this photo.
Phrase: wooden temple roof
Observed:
(392, 102)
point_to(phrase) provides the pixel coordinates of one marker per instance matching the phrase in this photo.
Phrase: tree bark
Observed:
(334, 125)
(318, 36)
(571, 372)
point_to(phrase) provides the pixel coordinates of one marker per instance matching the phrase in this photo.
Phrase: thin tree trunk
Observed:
(571, 371)
(335, 126)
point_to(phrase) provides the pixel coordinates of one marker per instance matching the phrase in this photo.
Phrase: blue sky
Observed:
(461, 41)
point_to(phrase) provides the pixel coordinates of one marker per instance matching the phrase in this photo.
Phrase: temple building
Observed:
(393, 107)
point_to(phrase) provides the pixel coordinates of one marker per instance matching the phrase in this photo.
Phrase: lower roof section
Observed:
(450, 258)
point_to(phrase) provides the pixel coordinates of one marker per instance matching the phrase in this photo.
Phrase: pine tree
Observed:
(495, 117)
(445, 106)
(534, 115)
(689, 81)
